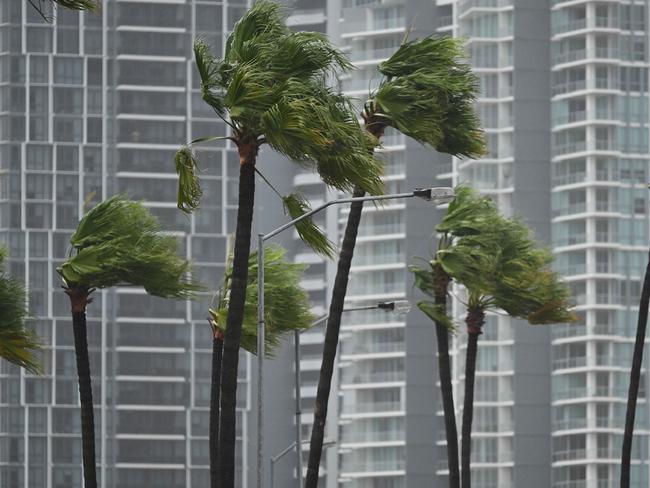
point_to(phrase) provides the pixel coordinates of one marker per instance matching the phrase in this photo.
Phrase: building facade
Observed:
(92, 105)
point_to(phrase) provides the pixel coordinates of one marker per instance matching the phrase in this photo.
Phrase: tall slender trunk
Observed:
(332, 342)
(78, 301)
(215, 393)
(333, 327)
(446, 388)
(230, 359)
(635, 377)
(475, 320)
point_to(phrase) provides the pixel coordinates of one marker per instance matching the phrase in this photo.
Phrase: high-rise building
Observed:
(564, 101)
(92, 105)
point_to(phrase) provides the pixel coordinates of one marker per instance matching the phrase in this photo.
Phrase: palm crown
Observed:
(427, 92)
(498, 262)
(17, 344)
(286, 302)
(270, 87)
(119, 242)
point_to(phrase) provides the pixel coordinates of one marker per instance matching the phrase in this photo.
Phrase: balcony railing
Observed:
(373, 466)
(568, 363)
(372, 407)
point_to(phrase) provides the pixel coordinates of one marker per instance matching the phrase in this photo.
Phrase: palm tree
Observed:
(635, 379)
(502, 268)
(17, 343)
(434, 281)
(270, 89)
(287, 309)
(427, 93)
(117, 243)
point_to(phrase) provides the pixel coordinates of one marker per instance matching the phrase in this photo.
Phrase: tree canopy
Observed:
(271, 88)
(17, 343)
(427, 92)
(120, 243)
(497, 260)
(286, 303)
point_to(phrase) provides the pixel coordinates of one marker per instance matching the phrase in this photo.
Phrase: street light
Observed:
(285, 451)
(397, 306)
(439, 194)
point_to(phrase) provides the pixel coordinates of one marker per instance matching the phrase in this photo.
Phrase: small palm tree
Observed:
(502, 268)
(287, 309)
(427, 93)
(635, 379)
(270, 89)
(464, 215)
(117, 243)
(17, 343)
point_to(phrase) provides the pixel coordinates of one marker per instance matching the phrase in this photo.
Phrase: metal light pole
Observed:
(285, 451)
(398, 306)
(440, 194)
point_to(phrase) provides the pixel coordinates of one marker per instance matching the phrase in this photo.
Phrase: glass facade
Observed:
(600, 231)
(92, 105)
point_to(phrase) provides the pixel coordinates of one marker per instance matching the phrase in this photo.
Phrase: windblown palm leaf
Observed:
(44, 6)
(270, 87)
(428, 92)
(286, 303)
(296, 205)
(17, 343)
(119, 242)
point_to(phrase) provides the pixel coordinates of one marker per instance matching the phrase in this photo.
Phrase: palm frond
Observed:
(311, 123)
(189, 185)
(428, 93)
(209, 71)
(91, 5)
(272, 86)
(286, 303)
(17, 343)
(119, 242)
(437, 313)
(411, 56)
(296, 205)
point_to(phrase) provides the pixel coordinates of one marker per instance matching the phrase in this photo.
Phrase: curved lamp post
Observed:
(439, 195)
(397, 307)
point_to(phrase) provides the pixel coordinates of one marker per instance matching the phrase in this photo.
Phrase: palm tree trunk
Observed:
(78, 300)
(333, 326)
(446, 387)
(230, 359)
(215, 393)
(332, 342)
(475, 320)
(635, 377)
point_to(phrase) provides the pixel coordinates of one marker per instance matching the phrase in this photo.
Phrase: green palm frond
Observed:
(271, 86)
(411, 56)
(17, 343)
(119, 242)
(209, 71)
(428, 93)
(437, 313)
(296, 205)
(498, 261)
(189, 185)
(79, 4)
(286, 303)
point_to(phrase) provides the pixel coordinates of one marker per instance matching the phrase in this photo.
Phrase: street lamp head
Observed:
(398, 307)
(441, 194)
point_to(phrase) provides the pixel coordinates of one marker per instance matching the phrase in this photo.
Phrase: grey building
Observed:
(91, 105)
